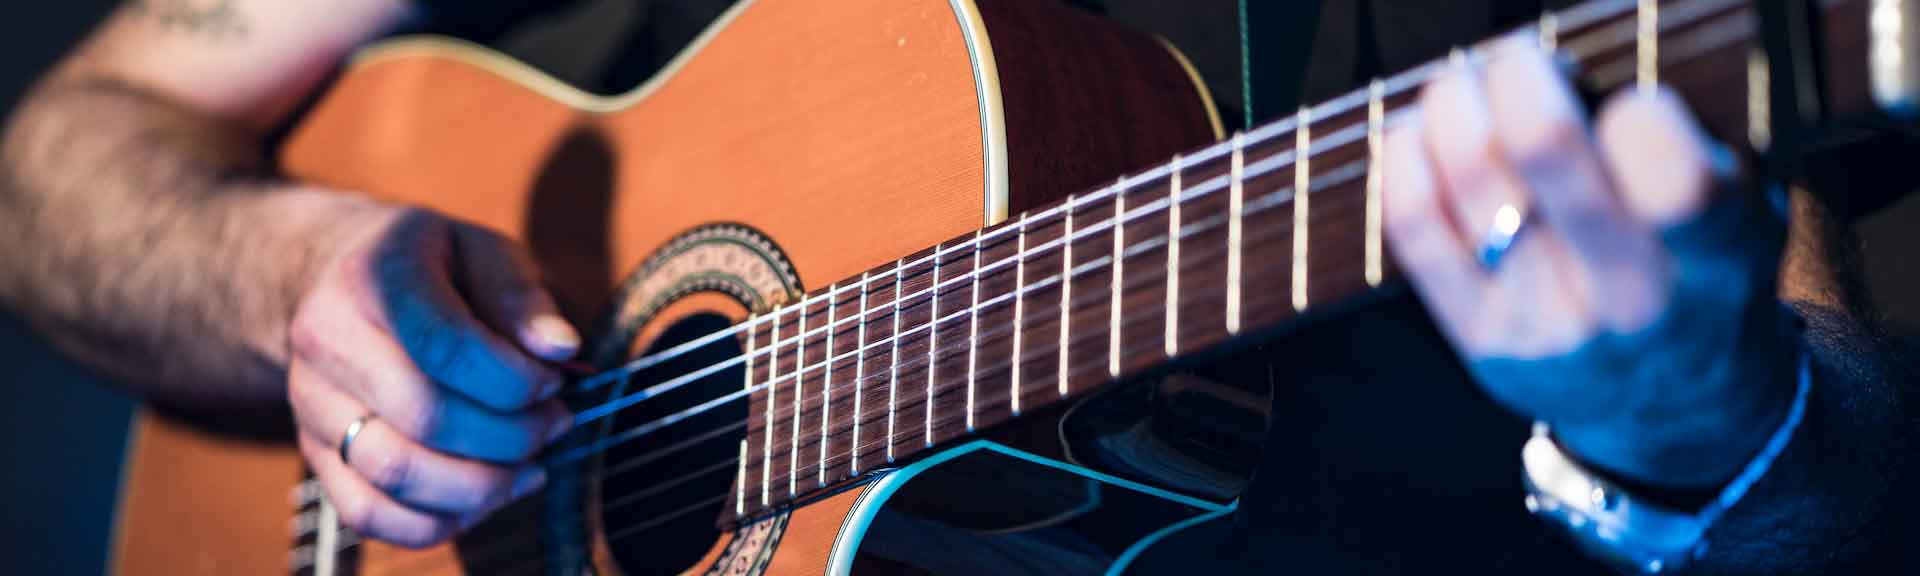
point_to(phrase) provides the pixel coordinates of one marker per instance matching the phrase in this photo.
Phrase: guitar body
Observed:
(794, 143)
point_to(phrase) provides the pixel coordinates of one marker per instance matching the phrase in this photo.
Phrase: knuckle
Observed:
(420, 417)
(306, 334)
(1545, 144)
(439, 350)
(299, 391)
(389, 470)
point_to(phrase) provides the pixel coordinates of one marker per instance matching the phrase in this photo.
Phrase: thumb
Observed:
(502, 283)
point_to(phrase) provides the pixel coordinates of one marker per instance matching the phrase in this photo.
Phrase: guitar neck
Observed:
(1246, 235)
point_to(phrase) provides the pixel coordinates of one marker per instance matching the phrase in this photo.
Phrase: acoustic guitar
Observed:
(871, 281)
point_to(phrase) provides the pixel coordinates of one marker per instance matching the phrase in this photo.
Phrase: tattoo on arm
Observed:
(212, 19)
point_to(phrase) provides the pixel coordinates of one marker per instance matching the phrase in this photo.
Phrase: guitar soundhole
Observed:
(661, 493)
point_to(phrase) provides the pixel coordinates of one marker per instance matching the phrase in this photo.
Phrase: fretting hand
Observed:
(435, 336)
(1598, 279)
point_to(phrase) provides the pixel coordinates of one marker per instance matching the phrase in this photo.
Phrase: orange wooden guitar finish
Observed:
(850, 131)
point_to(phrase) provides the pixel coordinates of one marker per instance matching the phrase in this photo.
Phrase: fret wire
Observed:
(1648, 45)
(1272, 164)
(1316, 187)
(893, 382)
(1019, 311)
(1066, 294)
(1376, 179)
(1397, 83)
(1351, 172)
(1173, 260)
(1669, 18)
(933, 343)
(1236, 178)
(1405, 78)
(1267, 165)
(773, 392)
(859, 376)
(1573, 18)
(754, 322)
(826, 384)
(1459, 56)
(1113, 318)
(973, 330)
(799, 390)
(1400, 82)
(1346, 172)
(1330, 178)
(1302, 183)
(1549, 32)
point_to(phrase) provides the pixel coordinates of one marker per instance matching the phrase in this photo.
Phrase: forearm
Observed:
(146, 241)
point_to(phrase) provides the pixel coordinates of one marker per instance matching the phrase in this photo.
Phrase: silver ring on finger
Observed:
(1508, 222)
(353, 431)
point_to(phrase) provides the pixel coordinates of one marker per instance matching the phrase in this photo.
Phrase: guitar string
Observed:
(1037, 287)
(1715, 30)
(1274, 163)
(1573, 18)
(1394, 86)
(787, 347)
(1199, 227)
(911, 434)
(1185, 196)
(838, 457)
(777, 349)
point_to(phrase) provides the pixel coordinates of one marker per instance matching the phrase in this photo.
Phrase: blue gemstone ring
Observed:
(1508, 223)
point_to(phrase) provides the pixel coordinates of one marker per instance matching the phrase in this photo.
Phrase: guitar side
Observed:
(849, 132)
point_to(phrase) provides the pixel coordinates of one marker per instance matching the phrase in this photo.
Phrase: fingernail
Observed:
(555, 335)
(530, 480)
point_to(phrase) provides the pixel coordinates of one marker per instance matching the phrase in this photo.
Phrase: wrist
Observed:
(1699, 444)
(285, 236)
(1639, 530)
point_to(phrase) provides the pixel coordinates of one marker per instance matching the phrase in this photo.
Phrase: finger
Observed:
(403, 469)
(1721, 248)
(1617, 262)
(502, 281)
(439, 331)
(366, 510)
(1657, 155)
(1422, 237)
(1477, 181)
(375, 372)
(1545, 136)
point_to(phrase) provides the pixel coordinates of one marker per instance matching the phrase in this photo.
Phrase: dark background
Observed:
(64, 431)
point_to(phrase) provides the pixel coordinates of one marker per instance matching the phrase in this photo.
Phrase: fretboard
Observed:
(1246, 235)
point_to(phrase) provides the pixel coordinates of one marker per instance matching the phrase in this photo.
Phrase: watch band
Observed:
(1633, 533)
